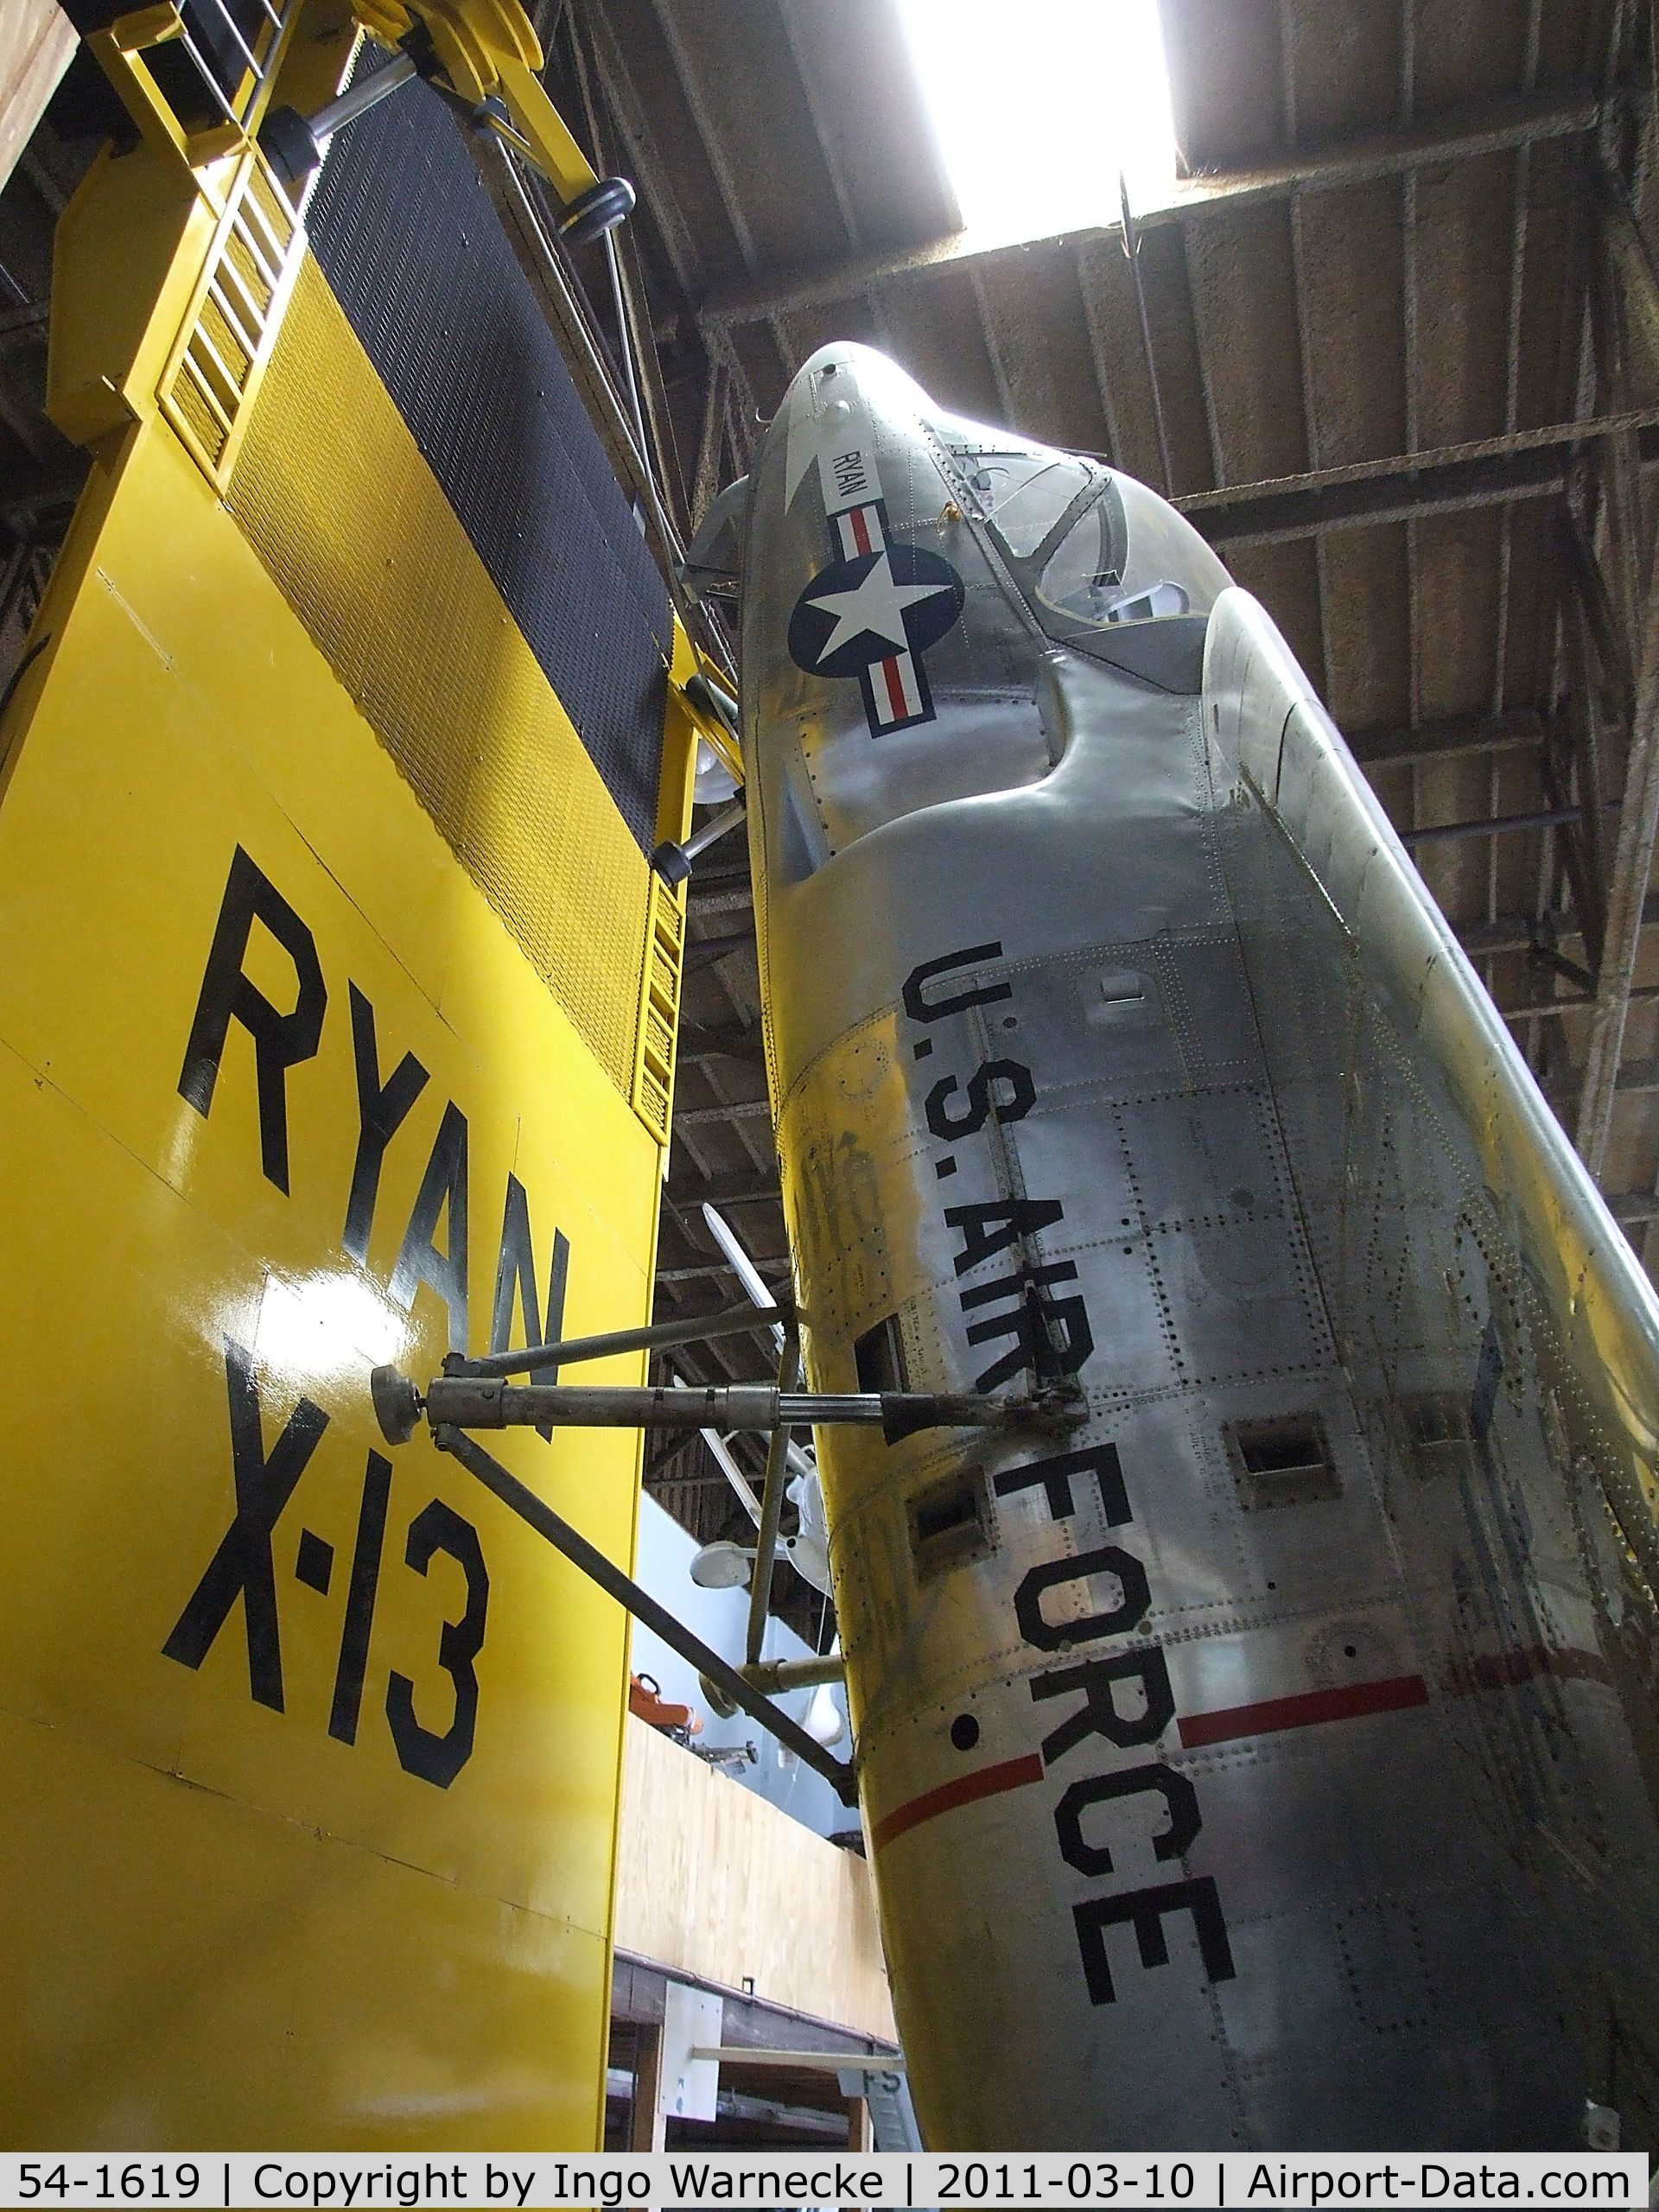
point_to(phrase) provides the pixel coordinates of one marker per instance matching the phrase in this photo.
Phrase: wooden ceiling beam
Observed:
(1483, 472)
(1439, 739)
(1460, 134)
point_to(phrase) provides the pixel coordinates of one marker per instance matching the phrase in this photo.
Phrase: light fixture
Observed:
(721, 1566)
(823, 1721)
(1038, 106)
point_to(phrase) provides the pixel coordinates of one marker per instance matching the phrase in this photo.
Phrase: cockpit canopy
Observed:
(1094, 552)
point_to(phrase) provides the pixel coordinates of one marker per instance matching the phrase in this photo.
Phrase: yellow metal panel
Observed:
(556, 153)
(229, 1923)
(237, 1997)
(388, 583)
(128, 250)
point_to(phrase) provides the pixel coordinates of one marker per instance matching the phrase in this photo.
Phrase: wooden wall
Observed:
(36, 41)
(713, 1880)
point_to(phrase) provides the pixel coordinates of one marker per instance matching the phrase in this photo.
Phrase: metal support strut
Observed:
(535, 1514)
(473, 1394)
(772, 1499)
(483, 1402)
(655, 1336)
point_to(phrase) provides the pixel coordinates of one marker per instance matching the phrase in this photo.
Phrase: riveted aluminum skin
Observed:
(1263, 1759)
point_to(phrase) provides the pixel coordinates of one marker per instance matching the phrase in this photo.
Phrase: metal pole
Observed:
(483, 1402)
(778, 1677)
(715, 828)
(362, 97)
(725, 1236)
(743, 1489)
(468, 1401)
(535, 1514)
(1494, 825)
(1132, 250)
(736, 1321)
(625, 343)
(771, 1500)
(255, 66)
(579, 322)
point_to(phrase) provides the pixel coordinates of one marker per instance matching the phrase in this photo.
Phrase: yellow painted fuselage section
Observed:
(309, 1749)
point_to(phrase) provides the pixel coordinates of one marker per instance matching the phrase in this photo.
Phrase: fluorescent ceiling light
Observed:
(1037, 105)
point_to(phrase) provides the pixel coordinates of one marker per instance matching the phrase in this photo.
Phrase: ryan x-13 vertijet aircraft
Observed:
(1261, 1754)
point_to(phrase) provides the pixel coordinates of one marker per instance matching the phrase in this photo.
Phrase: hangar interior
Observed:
(1387, 336)
(1397, 364)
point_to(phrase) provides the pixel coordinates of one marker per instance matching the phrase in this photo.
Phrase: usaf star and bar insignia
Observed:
(872, 613)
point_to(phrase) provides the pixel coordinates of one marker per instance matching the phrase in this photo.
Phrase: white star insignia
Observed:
(876, 607)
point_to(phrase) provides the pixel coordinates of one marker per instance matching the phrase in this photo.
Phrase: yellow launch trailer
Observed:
(336, 995)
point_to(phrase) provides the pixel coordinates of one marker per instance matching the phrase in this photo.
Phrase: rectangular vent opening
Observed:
(1284, 1461)
(949, 1524)
(880, 1355)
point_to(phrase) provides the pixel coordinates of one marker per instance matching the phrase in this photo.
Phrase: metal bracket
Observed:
(779, 1676)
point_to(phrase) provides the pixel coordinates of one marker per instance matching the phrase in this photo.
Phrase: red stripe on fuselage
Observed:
(985, 1782)
(896, 697)
(860, 529)
(1348, 1703)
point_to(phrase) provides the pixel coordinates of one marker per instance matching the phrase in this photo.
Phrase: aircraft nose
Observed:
(864, 374)
(853, 589)
(848, 405)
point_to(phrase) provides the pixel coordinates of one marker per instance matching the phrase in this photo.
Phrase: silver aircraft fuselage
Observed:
(1257, 1755)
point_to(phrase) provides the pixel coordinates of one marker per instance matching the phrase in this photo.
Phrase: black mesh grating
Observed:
(405, 233)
